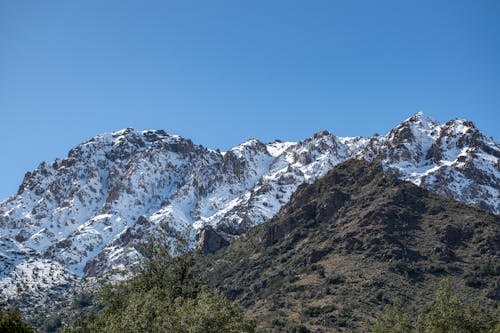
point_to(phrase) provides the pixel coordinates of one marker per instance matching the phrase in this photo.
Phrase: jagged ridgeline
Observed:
(82, 216)
(350, 243)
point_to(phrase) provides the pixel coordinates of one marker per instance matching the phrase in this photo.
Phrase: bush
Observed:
(335, 279)
(166, 294)
(448, 314)
(393, 320)
(11, 322)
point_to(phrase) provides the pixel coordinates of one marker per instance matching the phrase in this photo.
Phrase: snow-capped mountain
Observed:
(83, 215)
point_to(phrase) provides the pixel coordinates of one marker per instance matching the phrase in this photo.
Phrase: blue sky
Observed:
(220, 72)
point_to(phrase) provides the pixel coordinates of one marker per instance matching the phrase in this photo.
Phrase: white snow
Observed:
(80, 207)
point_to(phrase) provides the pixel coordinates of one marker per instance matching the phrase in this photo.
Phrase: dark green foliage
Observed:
(167, 294)
(393, 320)
(448, 314)
(11, 322)
(51, 324)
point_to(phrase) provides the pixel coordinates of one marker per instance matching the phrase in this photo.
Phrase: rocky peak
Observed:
(249, 147)
(421, 120)
(321, 134)
(322, 143)
(244, 158)
(458, 132)
(413, 130)
(76, 210)
(459, 126)
(463, 134)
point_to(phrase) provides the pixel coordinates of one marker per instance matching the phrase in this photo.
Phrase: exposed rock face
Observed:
(87, 212)
(346, 245)
(210, 241)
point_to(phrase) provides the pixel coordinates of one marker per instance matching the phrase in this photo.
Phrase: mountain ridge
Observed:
(351, 242)
(83, 215)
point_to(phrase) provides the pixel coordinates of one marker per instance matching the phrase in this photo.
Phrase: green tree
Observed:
(497, 326)
(393, 320)
(448, 314)
(166, 294)
(11, 322)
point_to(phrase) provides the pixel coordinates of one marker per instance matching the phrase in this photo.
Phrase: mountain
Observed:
(346, 245)
(82, 216)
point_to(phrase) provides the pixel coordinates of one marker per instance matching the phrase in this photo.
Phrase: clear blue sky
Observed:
(220, 72)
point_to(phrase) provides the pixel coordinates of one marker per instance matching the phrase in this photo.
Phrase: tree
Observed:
(166, 294)
(11, 322)
(448, 314)
(393, 320)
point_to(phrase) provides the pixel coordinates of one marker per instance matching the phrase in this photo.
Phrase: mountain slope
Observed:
(83, 215)
(349, 243)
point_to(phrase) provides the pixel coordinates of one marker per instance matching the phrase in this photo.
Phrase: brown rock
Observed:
(210, 241)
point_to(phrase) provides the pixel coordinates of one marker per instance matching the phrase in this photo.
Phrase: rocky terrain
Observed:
(83, 215)
(350, 243)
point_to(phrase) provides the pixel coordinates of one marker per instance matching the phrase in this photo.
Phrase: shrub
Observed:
(166, 294)
(11, 322)
(448, 314)
(393, 320)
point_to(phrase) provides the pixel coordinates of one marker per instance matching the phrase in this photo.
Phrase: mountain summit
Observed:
(84, 214)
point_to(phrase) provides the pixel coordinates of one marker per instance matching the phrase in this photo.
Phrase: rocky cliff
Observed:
(83, 215)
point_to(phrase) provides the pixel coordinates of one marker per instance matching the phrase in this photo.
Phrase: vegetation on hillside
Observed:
(346, 245)
(167, 294)
(448, 314)
(11, 322)
(331, 261)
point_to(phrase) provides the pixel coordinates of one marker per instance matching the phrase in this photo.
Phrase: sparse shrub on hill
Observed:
(167, 294)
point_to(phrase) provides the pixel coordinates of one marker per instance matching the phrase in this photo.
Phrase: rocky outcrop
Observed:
(210, 241)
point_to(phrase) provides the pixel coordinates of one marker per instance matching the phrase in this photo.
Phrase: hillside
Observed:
(348, 244)
(83, 216)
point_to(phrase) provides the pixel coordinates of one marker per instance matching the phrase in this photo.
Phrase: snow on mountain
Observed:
(453, 159)
(83, 215)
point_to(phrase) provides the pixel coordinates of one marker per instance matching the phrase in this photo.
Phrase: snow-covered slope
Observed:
(84, 214)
